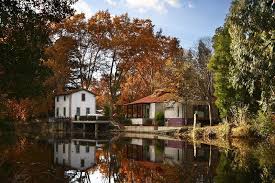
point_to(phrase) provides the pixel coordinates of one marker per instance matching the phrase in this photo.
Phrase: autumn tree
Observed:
(133, 48)
(123, 55)
(186, 78)
(87, 54)
(60, 56)
(205, 77)
(193, 79)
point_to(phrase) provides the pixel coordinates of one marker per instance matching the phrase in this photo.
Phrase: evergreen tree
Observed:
(24, 34)
(243, 61)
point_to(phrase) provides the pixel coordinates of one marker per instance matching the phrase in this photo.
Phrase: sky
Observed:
(187, 20)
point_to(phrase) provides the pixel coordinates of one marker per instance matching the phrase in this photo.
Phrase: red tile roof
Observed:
(157, 97)
(74, 91)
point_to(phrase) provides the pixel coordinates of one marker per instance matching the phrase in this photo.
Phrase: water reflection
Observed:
(88, 158)
(135, 160)
(77, 154)
(165, 161)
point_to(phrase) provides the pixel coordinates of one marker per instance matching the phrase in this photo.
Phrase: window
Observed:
(64, 111)
(77, 148)
(64, 149)
(87, 110)
(57, 98)
(56, 147)
(57, 111)
(78, 111)
(83, 97)
(64, 97)
(202, 110)
(82, 162)
(87, 149)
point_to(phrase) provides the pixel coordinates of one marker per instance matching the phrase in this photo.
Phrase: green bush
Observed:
(160, 147)
(263, 124)
(148, 122)
(240, 115)
(106, 110)
(160, 118)
(224, 129)
(126, 121)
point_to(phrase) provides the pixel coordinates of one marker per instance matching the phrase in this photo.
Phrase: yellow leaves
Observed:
(169, 62)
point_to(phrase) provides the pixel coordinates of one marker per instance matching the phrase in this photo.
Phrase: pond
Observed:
(130, 158)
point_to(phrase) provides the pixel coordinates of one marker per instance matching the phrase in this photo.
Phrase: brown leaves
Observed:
(126, 52)
(59, 55)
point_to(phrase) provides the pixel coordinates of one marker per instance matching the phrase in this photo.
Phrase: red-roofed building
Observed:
(176, 112)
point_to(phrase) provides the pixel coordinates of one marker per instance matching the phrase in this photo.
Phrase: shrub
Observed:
(160, 147)
(243, 130)
(240, 115)
(224, 129)
(198, 133)
(106, 110)
(126, 121)
(160, 118)
(263, 124)
(148, 122)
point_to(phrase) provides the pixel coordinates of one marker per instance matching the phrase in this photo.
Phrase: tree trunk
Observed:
(185, 112)
(210, 113)
(194, 124)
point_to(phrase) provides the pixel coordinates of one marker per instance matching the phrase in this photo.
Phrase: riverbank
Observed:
(152, 129)
(222, 134)
(219, 135)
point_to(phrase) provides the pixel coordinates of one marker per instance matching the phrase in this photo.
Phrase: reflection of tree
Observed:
(132, 168)
(114, 164)
(26, 161)
(235, 167)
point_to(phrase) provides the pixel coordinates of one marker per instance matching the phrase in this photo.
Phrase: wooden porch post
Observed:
(137, 110)
(127, 111)
(142, 111)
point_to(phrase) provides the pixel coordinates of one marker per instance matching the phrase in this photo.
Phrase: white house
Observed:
(78, 102)
(176, 111)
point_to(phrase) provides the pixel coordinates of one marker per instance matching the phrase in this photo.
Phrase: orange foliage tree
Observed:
(122, 56)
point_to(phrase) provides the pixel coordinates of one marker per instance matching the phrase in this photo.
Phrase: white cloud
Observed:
(190, 4)
(111, 2)
(81, 6)
(174, 3)
(156, 5)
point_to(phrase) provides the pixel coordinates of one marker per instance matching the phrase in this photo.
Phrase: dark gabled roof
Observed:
(74, 91)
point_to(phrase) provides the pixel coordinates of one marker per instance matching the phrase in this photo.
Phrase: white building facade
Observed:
(75, 102)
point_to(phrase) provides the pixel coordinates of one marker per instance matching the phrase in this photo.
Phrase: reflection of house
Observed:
(176, 112)
(183, 152)
(75, 154)
(201, 158)
(78, 102)
(199, 161)
(143, 150)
